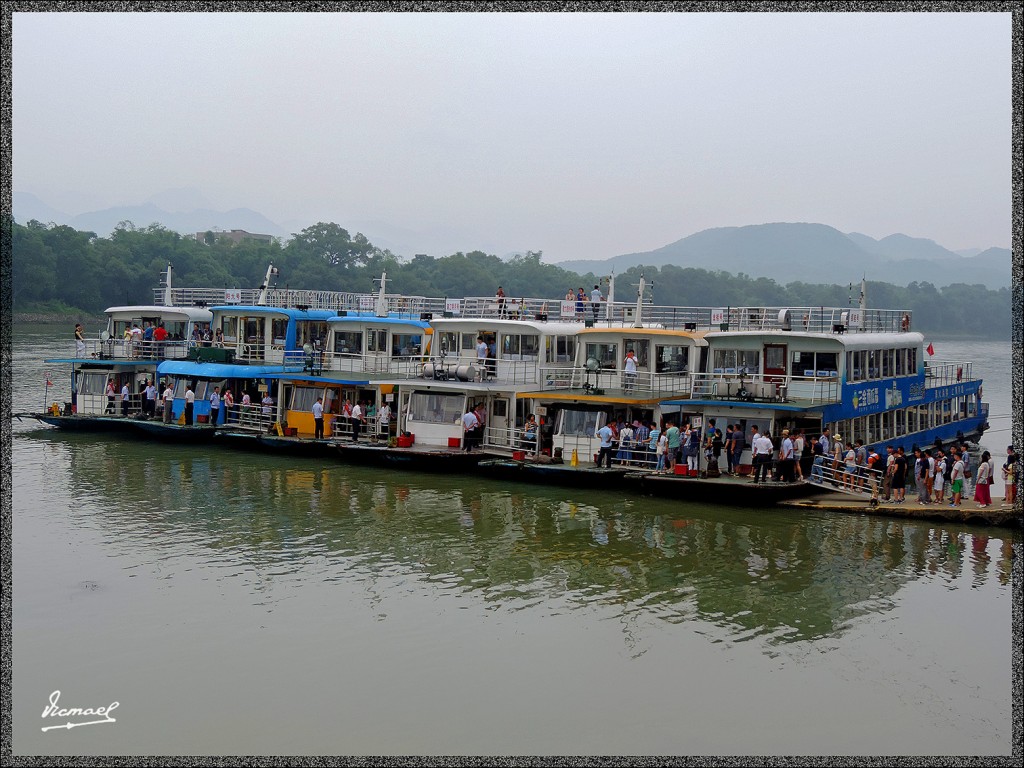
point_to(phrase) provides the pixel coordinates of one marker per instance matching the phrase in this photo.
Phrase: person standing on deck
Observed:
(604, 455)
(318, 419)
(190, 404)
(79, 340)
(357, 420)
(168, 402)
(595, 300)
(499, 297)
(739, 444)
(629, 372)
(890, 467)
(151, 394)
(673, 441)
(125, 397)
(470, 425)
(111, 396)
(786, 459)
(384, 420)
(215, 406)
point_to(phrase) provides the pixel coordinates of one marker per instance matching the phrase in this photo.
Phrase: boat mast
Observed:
(381, 309)
(168, 296)
(611, 297)
(262, 298)
(638, 321)
(863, 296)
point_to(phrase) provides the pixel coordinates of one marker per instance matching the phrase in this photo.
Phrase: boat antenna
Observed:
(382, 301)
(262, 298)
(863, 294)
(611, 295)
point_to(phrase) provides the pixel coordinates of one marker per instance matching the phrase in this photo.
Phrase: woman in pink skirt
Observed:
(981, 485)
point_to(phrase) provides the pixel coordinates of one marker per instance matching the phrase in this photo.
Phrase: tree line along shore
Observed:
(59, 273)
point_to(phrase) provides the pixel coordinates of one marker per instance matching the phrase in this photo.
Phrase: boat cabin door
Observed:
(498, 426)
(775, 362)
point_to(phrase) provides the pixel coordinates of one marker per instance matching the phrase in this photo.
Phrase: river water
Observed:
(240, 604)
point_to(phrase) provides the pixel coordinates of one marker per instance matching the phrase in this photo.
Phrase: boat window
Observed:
(641, 348)
(405, 344)
(278, 330)
(376, 340)
(827, 361)
(447, 343)
(304, 397)
(574, 423)
(435, 408)
(901, 362)
(671, 358)
(888, 362)
(469, 340)
(737, 360)
(348, 343)
(561, 349)
(803, 365)
(92, 383)
(604, 353)
(530, 346)
(310, 331)
(509, 345)
(911, 362)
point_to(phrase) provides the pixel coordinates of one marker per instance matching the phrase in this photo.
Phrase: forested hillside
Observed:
(57, 267)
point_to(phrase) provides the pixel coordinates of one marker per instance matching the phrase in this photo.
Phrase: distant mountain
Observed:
(181, 200)
(28, 207)
(816, 253)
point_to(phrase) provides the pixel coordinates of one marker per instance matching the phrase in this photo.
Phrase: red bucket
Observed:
(518, 455)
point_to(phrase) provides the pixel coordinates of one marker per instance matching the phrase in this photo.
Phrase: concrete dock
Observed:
(968, 511)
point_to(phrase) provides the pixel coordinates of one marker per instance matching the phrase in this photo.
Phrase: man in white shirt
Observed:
(318, 419)
(384, 420)
(762, 447)
(168, 402)
(470, 425)
(606, 434)
(595, 300)
(190, 404)
(215, 406)
(150, 399)
(357, 420)
(125, 396)
(787, 463)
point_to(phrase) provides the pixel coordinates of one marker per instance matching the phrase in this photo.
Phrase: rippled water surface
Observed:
(239, 603)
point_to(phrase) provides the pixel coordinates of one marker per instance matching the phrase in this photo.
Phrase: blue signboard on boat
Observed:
(865, 398)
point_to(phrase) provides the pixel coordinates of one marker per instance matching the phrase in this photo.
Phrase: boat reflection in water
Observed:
(782, 574)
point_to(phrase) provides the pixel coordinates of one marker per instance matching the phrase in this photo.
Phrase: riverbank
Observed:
(56, 318)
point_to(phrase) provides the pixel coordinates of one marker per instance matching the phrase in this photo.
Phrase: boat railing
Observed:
(819, 319)
(399, 366)
(249, 418)
(859, 480)
(939, 373)
(640, 384)
(765, 388)
(129, 349)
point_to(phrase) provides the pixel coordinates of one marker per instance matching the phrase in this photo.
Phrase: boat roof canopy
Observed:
(201, 314)
(289, 312)
(409, 322)
(217, 370)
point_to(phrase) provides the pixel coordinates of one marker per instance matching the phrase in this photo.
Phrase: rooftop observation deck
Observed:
(616, 314)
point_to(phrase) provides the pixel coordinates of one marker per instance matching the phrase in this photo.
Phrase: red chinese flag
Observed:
(931, 349)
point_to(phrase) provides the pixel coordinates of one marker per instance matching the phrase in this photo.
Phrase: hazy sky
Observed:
(581, 135)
